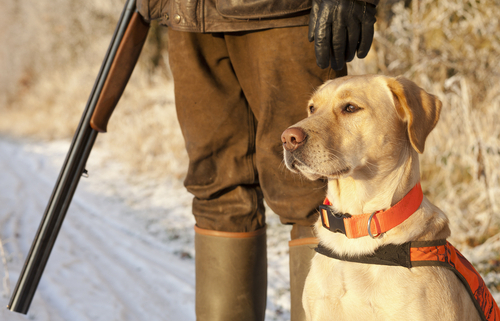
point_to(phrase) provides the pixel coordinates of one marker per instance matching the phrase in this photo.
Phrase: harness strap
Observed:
(431, 253)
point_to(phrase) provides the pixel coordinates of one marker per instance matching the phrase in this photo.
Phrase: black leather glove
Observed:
(339, 28)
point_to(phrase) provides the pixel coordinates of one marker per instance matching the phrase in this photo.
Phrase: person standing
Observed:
(243, 72)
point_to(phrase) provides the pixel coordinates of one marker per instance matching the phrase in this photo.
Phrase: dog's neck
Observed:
(362, 196)
(358, 195)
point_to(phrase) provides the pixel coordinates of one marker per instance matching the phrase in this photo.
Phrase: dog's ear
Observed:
(419, 109)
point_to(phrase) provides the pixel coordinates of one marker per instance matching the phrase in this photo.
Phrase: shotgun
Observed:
(119, 62)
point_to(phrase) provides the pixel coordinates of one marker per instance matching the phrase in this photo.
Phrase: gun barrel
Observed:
(73, 167)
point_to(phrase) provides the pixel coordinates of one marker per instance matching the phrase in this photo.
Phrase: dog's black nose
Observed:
(292, 138)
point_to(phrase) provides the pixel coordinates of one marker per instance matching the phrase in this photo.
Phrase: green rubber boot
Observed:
(231, 275)
(301, 246)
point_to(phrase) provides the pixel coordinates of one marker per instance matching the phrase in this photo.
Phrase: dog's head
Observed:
(354, 122)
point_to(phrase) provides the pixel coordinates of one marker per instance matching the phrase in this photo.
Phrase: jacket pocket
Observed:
(261, 9)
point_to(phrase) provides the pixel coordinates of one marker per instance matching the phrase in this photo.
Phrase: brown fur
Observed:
(370, 158)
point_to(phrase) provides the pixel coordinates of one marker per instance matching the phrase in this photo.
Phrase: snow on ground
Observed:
(125, 250)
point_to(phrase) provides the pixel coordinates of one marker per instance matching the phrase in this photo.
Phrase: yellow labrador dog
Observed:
(363, 134)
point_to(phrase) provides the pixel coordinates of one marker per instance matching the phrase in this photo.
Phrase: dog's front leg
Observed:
(321, 297)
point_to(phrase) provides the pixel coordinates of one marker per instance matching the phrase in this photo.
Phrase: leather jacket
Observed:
(227, 15)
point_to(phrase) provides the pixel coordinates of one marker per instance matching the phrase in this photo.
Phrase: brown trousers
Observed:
(235, 94)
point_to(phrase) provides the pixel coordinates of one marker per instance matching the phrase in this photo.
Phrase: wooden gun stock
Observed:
(121, 57)
(126, 57)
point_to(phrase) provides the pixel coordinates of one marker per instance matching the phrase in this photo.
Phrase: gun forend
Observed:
(119, 73)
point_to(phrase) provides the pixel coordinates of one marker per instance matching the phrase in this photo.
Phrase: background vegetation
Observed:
(51, 52)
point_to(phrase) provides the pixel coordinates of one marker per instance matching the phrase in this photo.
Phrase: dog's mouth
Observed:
(295, 165)
(338, 174)
(305, 170)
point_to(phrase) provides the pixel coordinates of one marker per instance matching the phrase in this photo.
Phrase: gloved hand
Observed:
(339, 28)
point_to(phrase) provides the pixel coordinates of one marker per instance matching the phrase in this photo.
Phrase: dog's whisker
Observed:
(370, 164)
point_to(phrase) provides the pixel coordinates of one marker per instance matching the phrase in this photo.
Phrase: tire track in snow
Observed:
(110, 249)
(99, 269)
(116, 227)
(19, 202)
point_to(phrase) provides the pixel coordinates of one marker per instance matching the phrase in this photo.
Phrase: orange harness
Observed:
(431, 253)
(410, 254)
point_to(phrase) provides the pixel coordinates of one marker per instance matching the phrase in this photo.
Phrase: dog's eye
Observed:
(312, 109)
(350, 109)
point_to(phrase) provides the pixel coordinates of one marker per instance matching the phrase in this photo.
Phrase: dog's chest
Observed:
(365, 280)
(356, 291)
(351, 282)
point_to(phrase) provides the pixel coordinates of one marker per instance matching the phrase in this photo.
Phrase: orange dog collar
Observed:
(371, 224)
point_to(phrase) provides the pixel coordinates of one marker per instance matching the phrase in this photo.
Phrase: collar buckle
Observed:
(332, 220)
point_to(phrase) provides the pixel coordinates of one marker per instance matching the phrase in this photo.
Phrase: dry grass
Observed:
(449, 47)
